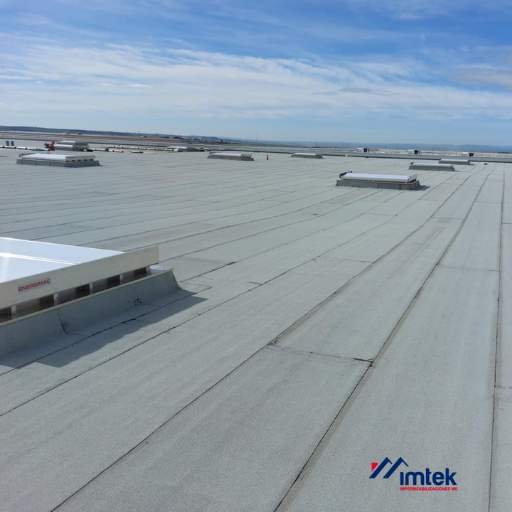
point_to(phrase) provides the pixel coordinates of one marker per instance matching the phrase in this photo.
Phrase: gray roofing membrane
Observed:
(318, 329)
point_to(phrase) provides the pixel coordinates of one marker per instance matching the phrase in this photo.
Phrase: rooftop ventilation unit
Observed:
(71, 145)
(414, 166)
(230, 155)
(75, 283)
(395, 181)
(307, 155)
(456, 161)
(181, 149)
(56, 159)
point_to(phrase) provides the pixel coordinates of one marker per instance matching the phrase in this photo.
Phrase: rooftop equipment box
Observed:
(394, 181)
(456, 161)
(307, 155)
(58, 159)
(414, 166)
(230, 155)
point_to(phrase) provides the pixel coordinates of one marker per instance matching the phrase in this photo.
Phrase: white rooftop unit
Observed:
(72, 145)
(395, 181)
(58, 159)
(307, 155)
(38, 275)
(45, 286)
(64, 147)
(418, 166)
(231, 155)
(456, 161)
(181, 149)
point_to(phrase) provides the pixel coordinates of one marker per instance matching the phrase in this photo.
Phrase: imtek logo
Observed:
(425, 480)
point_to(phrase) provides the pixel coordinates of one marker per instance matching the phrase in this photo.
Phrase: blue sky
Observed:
(412, 71)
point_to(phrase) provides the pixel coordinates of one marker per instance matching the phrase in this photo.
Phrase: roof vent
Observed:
(72, 145)
(231, 155)
(430, 167)
(456, 161)
(83, 284)
(181, 149)
(60, 160)
(307, 155)
(395, 181)
(40, 270)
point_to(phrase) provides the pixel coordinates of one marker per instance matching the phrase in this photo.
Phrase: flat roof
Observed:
(319, 330)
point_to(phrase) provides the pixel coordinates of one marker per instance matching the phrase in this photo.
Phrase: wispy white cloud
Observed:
(56, 82)
(119, 79)
(486, 75)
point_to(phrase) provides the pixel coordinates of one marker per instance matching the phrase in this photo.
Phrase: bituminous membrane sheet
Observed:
(329, 328)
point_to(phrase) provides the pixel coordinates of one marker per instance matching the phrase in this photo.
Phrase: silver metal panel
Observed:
(32, 336)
